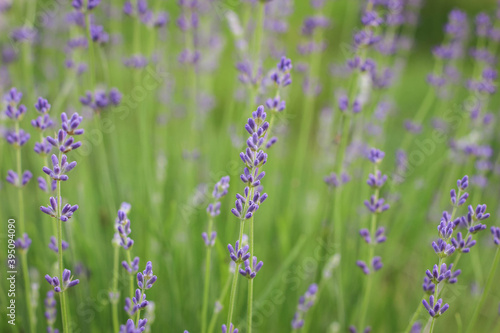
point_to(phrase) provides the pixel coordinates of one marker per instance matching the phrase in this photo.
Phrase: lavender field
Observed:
(246, 166)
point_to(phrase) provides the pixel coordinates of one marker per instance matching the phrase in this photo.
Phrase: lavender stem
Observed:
(60, 255)
(24, 256)
(206, 286)
(114, 302)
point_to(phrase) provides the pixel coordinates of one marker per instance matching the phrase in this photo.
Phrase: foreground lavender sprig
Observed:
(446, 246)
(213, 210)
(65, 142)
(246, 205)
(306, 301)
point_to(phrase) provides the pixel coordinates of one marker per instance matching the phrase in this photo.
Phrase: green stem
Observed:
(131, 277)
(215, 314)
(114, 301)
(64, 313)
(90, 49)
(233, 290)
(139, 310)
(486, 291)
(432, 325)
(207, 281)
(24, 259)
(250, 286)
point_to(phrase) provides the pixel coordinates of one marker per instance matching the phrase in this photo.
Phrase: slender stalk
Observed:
(90, 49)
(432, 325)
(256, 47)
(486, 291)
(131, 277)
(62, 294)
(24, 256)
(207, 281)
(114, 301)
(250, 286)
(235, 277)
(216, 314)
(139, 310)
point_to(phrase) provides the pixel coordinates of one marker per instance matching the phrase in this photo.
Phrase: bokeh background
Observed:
(142, 152)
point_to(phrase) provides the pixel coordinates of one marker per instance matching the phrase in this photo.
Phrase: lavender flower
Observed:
(53, 244)
(437, 309)
(123, 229)
(18, 139)
(68, 281)
(306, 301)
(353, 329)
(146, 279)
(240, 254)
(232, 329)
(13, 178)
(59, 170)
(64, 142)
(66, 212)
(23, 243)
(70, 126)
(42, 105)
(131, 328)
(248, 272)
(131, 267)
(495, 231)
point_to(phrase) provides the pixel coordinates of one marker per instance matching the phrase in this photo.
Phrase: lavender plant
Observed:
(64, 141)
(247, 204)
(442, 273)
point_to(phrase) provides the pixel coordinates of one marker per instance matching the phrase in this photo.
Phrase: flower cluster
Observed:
(100, 100)
(248, 272)
(306, 301)
(67, 281)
